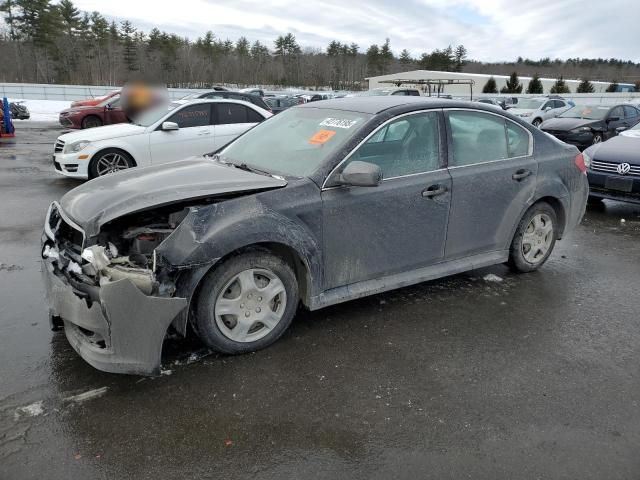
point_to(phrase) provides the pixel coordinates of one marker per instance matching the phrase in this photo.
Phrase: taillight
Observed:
(579, 161)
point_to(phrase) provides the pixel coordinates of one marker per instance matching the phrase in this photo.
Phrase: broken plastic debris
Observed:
(50, 253)
(90, 395)
(95, 256)
(73, 267)
(492, 278)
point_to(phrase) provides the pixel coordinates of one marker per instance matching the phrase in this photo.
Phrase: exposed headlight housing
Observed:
(76, 146)
(580, 130)
(587, 160)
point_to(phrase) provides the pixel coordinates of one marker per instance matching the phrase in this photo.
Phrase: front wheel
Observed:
(109, 161)
(91, 122)
(246, 303)
(534, 239)
(537, 122)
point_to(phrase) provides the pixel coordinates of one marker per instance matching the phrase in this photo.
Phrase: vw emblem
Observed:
(624, 168)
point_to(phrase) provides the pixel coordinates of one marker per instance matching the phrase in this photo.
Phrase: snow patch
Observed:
(44, 110)
(492, 278)
(32, 410)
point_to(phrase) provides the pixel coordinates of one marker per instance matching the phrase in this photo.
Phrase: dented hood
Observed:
(103, 199)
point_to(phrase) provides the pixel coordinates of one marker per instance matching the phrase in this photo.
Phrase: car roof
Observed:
(377, 104)
(214, 100)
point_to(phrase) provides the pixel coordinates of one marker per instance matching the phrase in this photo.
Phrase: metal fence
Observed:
(41, 91)
(581, 98)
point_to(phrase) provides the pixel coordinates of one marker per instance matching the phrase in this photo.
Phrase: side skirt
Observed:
(404, 279)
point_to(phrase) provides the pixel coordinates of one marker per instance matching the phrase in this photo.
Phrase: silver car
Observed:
(538, 109)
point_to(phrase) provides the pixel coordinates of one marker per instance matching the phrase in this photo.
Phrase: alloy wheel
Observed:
(111, 163)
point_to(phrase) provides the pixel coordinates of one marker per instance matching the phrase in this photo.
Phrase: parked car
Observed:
(384, 91)
(106, 113)
(614, 167)
(278, 104)
(493, 101)
(160, 135)
(324, 203)
(253, 91)
(245, 97)
(585, 125)
(538, 109)
(19, 111)
(92, 102)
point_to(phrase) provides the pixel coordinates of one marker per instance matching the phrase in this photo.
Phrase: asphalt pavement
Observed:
(488, 374)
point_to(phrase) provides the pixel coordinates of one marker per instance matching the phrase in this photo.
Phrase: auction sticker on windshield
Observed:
(322, 136)
(338, 123)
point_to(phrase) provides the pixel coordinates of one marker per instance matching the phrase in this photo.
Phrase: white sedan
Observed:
(184, 129)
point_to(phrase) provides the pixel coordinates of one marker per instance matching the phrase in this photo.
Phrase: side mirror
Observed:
(108, 107)
(546, 109)
(361, 174)
(613, 119)
(169, 126)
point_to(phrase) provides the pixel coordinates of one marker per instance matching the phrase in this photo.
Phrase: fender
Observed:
(210, 233)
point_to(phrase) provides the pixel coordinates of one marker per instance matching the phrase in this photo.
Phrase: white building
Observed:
(479, 79)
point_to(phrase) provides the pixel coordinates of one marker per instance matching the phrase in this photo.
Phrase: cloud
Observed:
(492, 30)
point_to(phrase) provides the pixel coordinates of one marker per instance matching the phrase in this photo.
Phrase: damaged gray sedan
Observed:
(324, 203)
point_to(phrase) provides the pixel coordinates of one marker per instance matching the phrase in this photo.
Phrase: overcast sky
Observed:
(490, 29)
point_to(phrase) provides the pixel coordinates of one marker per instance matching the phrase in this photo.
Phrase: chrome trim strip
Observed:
(371, 134)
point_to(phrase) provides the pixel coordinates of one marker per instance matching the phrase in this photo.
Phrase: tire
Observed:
(91, 121)
(108, 161)
(534, 239)
(537, 122)
(236, 287)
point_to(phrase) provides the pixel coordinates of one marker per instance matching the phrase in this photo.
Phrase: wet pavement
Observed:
(482, 375)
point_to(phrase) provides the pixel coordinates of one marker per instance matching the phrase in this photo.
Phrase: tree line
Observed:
(46, 42)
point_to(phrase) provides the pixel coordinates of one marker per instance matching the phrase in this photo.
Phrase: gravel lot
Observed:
(482, 375)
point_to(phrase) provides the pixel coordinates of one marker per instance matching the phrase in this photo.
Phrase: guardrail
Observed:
(578, 98)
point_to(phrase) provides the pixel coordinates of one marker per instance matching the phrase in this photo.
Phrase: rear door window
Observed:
(229, 113)
(197, 115)
(477, 137)
(517, 140)
(630, 112)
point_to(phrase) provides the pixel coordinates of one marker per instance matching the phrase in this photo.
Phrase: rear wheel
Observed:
(534, 239)
(91, 122)
(246, 303)
(109, 161)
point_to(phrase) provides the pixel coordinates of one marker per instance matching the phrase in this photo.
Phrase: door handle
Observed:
(521, 174)
(204, 132)
(434, 191)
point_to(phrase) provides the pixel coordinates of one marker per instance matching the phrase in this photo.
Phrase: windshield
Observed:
(587, 112)
(114, 101)
(149, 117)
(295, 142)
(530, 103)
(191, 96)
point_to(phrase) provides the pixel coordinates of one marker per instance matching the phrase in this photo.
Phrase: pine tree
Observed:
(460, 56)
(242, 47)
(613, 87)
(490, 86)
(386, 57)
(405, 58)
(36, 20)
(585, 86)
(535, 85)
(10, 8)
(130, 54)
(560, 86)
(513, 84)
(373, 60)
(70, 17)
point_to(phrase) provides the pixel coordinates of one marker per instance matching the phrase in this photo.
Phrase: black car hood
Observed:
(566, 124)
(103, 199)
(618, 149)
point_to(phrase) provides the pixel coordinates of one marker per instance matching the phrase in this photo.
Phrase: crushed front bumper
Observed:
(122, 332)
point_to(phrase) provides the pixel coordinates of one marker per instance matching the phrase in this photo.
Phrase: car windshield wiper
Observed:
(248, 168)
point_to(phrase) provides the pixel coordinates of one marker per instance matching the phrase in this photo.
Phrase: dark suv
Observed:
(247, 97)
